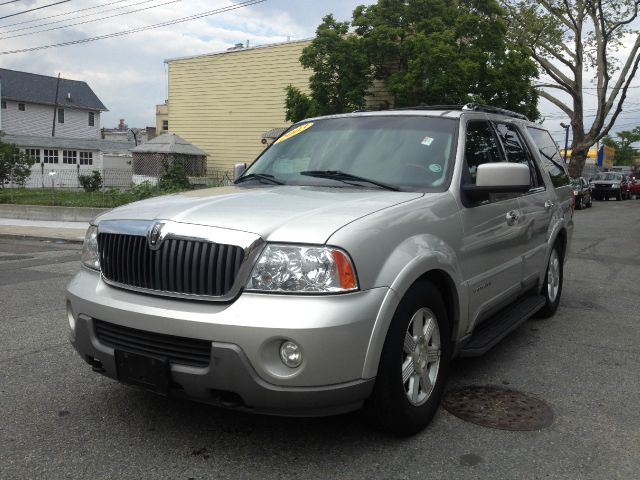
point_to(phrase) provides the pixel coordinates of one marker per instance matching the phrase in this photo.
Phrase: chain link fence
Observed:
(61, 184)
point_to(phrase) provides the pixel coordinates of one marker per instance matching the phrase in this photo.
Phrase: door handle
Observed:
(512, 217)
(548, 204)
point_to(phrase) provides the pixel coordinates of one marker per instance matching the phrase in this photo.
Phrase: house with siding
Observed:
(57, 123)
(230, 103)
(29, 103)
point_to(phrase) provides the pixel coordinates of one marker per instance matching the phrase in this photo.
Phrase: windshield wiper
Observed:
(346, 177)
(258, 176)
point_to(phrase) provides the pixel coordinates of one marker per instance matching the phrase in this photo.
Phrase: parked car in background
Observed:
(610, 184)
(634, 188)
(581, 193)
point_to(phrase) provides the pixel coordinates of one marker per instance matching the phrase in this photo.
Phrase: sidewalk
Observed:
(41, 229)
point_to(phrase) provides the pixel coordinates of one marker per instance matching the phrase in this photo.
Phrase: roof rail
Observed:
(470, 107)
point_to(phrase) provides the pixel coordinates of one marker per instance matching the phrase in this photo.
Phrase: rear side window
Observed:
(551, 158)
(517, 151)
(481, 146)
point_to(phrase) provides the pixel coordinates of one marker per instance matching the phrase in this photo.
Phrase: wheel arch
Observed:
(444, 281)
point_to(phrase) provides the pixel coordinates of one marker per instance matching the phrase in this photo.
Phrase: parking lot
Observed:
(61, 420)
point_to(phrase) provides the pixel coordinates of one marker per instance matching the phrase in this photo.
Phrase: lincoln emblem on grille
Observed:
(154, 236)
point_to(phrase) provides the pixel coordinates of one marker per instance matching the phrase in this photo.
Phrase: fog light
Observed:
(290, 354)
(72, 320)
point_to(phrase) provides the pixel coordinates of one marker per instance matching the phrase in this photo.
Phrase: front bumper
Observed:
(333, 332)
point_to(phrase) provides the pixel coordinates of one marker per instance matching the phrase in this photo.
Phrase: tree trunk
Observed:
(578, 159)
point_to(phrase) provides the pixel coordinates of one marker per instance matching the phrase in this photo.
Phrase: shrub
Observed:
(91, 183)
(174, 176)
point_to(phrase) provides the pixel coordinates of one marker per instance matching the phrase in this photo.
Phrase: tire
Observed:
(580, 203)
(619, 196)
(390, 407)
(590, 204)
(552, 290)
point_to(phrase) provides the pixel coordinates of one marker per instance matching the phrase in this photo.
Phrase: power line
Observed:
(62, 14)
(34, 9)
(90, 21)
(12, 1)
(73, 18)
(139, 29)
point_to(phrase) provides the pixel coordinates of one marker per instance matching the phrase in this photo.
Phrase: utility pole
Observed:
(566, 140)
(55, 108)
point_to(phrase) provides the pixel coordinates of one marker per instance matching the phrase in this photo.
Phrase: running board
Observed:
(494, 329)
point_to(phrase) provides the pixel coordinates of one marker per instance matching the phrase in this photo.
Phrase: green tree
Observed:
(422, 52)
(446, 52)
(625, 154)
(341, 74)
(577, 44)
(15, 167)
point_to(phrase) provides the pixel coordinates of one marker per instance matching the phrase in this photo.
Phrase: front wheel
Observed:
(552, 288)
(414, 363)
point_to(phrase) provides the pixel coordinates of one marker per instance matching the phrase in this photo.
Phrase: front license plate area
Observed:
(150, 373)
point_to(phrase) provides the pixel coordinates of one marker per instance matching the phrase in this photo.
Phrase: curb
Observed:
(17, 236)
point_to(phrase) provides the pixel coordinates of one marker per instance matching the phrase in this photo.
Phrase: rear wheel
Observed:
(619, 195)
(590, 203)
(414, 363)
(552, 288)
(580, 203)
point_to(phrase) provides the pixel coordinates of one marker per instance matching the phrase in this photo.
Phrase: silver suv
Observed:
(345, 268)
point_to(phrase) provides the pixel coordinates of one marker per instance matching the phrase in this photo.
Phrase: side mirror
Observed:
(499, 177)
(238, 169)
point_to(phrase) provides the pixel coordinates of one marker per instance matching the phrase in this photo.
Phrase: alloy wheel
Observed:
(421, 356)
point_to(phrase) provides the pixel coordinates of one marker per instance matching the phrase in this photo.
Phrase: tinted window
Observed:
(517, 151)
(551, 158)
(481, 146)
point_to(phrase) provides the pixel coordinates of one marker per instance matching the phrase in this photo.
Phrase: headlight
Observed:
(90, 256)
(303, 269)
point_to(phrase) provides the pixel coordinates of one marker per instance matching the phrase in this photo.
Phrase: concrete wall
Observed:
(37, 120)
(224, 102)
(60, 214)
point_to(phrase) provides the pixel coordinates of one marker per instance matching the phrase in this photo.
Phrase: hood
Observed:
(301, 214)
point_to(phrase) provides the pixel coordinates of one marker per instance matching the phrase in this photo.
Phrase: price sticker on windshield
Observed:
(294, 132)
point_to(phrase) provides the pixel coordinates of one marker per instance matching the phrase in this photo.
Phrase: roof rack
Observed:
(475, 107)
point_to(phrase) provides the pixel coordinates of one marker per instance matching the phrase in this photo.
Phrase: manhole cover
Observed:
(498, 407)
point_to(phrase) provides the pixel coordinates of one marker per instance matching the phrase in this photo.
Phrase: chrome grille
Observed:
(179, 266)
(182, 350)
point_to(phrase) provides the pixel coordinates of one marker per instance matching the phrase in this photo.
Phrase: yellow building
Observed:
(224, 102)
(162, 118)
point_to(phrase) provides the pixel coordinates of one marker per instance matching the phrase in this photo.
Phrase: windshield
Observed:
(575, 182)
(413, 152)
(608, 176)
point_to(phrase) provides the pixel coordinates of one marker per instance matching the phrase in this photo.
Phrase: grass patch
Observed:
(65, 198)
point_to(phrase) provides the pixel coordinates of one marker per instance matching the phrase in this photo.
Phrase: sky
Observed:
(128, 72)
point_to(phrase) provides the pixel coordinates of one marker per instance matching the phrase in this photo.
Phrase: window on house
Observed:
(33, 154)
(70, 157)
(50, 156)
(21, 107)
(165, 125)
(86, 158)
(4, 104)
(61, 115)
(92, 119)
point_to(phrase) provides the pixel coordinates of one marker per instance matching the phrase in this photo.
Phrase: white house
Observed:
(46, 106)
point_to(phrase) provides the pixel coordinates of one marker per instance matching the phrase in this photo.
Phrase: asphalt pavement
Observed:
(59, 420)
